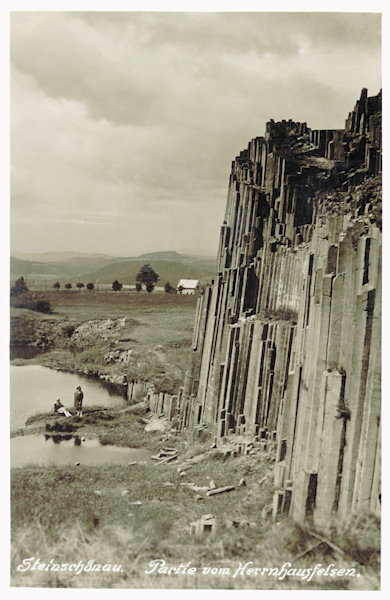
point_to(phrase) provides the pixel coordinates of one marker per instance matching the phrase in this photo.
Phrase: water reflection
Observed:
(61, 438)
(66, 449)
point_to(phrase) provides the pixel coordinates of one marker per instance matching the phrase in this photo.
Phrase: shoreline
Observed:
(116, 426)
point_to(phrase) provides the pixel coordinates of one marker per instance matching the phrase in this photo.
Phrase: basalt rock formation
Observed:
(287, 337)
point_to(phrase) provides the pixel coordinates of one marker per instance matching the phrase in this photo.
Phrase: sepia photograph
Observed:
(195, 299)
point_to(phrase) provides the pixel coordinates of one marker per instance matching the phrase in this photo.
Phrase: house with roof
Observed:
(188, 286)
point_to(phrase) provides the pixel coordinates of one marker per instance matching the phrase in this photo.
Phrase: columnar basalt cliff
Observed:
(287, 337)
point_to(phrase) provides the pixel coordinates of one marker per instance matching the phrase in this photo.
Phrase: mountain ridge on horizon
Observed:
(170, 265)
(68, 255)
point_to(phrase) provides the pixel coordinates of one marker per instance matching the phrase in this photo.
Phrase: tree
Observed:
(19, 287)
(180, 289)
(116, 286)
(56, 285)
(168, 288)
(138, 287)
(68, 286)
(80, 285)
(147, 276)
(90, 286)
(21, 297)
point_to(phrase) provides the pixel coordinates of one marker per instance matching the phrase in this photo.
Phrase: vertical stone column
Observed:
(370, 430)
(330, 452)
(354, 398)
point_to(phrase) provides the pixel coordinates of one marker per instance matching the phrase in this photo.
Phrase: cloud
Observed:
(134, 118)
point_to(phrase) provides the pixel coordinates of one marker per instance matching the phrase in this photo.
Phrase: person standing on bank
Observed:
(78, 401)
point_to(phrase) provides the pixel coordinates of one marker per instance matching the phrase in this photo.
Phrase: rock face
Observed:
(287, 337)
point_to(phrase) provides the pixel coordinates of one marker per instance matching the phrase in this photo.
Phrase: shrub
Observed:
(22, 300)
(281, 314)
(116, 286)
(19, 287)
(90, 286)
(31, 302)
(68, 286)
(42, 306)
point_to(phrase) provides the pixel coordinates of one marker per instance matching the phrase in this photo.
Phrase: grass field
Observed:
(104, 304)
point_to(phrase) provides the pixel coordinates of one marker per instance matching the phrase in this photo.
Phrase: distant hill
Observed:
(170, 265)
(28, 267)
(167, 255)
(57, 256)
(72, 267)
(176, 257)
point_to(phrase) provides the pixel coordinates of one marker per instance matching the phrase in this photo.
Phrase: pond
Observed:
(34, 389)
(66, 450)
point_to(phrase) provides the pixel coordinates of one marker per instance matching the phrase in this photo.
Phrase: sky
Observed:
(124, 124)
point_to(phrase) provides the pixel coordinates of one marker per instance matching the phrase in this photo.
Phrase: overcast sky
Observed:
(124, 125)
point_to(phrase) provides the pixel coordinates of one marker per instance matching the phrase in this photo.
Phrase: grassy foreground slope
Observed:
(132, 515)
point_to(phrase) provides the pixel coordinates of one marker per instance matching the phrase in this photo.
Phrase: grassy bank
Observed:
(131, 515)
(115, 426)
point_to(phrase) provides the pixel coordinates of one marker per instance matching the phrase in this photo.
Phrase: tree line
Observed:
(146, 279)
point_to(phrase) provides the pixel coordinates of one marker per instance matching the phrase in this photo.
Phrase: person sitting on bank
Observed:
(60, 408)
(78, 401)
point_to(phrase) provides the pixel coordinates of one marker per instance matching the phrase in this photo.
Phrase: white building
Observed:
(188, 286)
